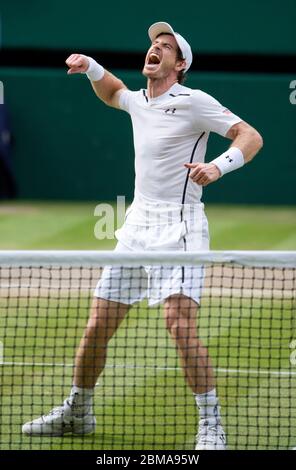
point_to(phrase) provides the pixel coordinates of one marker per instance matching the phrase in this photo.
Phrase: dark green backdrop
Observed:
(69, 145)
(266, 26)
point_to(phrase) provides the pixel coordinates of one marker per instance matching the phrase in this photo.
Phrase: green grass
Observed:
(143, 402)
(33, 225)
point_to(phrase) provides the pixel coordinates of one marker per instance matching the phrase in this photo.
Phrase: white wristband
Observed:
(95, 71)
(230, 160)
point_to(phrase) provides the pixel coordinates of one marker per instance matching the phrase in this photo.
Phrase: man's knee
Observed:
(180, 317)
(179, 329)
(105, 318)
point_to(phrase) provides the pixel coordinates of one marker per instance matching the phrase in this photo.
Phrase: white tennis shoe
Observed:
(60, 421)
(210, 436)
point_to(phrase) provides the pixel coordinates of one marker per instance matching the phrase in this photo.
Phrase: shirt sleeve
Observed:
(125, 100)
(209, 115)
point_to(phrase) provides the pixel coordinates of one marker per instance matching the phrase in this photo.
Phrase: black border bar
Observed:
(55, 58)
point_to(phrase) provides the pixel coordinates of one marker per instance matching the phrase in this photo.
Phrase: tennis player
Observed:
(171, 126)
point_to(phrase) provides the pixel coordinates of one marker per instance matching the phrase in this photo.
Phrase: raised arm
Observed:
(106, 86)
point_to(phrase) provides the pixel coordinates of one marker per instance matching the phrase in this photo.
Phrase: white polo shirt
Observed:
(171, 130)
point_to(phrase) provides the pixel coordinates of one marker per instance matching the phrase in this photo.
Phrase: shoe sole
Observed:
(83, 432)
(210, 447)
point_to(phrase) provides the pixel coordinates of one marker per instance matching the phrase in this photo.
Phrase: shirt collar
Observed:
(174, 89)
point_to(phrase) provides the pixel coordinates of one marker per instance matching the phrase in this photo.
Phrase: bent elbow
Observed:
(255, 141)
(258, 141)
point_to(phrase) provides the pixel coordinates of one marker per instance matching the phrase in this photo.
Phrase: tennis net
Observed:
(143, 398)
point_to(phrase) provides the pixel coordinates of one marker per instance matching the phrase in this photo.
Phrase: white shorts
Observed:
(129, 285)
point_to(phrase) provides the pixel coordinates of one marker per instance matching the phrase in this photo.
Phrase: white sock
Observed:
(81, 400)
(209, 410)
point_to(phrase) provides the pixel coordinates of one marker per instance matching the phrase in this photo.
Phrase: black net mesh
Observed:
(143, 398)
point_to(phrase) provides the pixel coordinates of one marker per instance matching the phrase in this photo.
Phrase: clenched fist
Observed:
(77, 63)
(203, 173)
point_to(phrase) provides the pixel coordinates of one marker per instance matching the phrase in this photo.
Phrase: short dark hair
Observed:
(181, 77)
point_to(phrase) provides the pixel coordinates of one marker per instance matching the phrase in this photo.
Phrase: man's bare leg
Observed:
(106, 316)
(180, 314)
(76, 415)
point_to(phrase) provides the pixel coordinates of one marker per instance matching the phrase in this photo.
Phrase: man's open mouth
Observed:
(153, 59)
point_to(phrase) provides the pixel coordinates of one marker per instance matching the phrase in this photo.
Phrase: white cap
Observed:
(162, 27)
